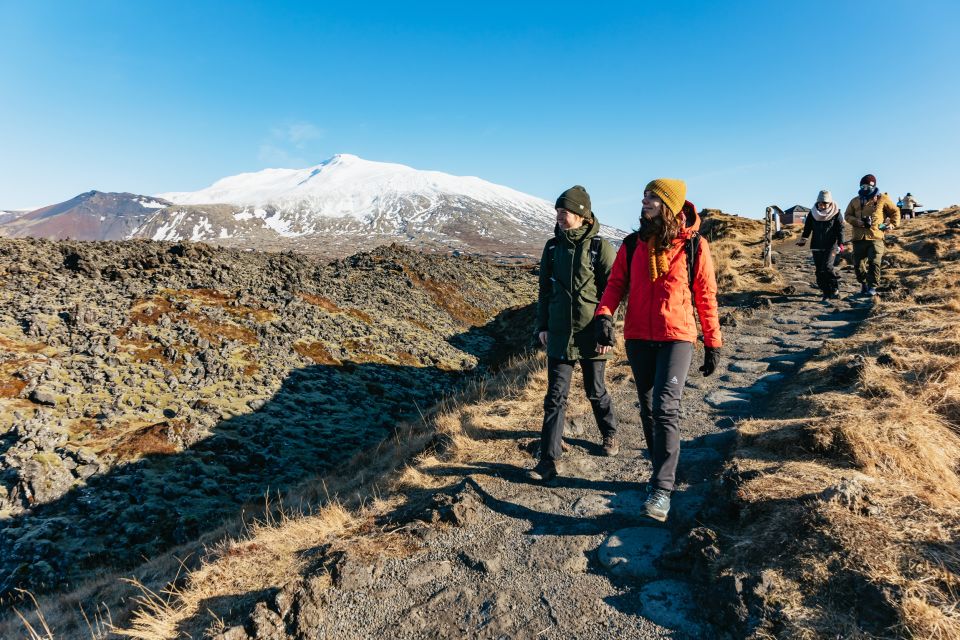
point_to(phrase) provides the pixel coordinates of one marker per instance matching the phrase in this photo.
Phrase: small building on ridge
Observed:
(794, 215)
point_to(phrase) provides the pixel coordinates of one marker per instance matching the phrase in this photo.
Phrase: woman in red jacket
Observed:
(661, 278)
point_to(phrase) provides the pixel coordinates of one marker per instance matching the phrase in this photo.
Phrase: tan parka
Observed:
(878, 210)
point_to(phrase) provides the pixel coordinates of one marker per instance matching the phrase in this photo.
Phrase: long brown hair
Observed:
(664, 228)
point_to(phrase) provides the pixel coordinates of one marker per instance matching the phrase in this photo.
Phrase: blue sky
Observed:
(751, 103)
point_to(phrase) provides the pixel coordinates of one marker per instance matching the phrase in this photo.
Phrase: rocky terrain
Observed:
(150, 390)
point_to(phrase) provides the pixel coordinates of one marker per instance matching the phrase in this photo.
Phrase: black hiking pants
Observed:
(660, 371)
(827, 277)
(867, 255)
(559, 375)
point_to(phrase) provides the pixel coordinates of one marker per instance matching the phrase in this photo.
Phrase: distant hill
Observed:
(93, 215)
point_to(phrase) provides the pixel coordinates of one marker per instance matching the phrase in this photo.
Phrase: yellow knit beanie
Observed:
(672, 192)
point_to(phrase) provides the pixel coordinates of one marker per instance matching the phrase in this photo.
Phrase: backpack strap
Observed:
(599, 277)
(693, 249)
(631, 243)
(550, 248)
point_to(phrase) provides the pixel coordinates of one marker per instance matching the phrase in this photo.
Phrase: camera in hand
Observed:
(868, 221)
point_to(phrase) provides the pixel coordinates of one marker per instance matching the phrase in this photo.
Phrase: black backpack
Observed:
(691, 246)
(600, 278)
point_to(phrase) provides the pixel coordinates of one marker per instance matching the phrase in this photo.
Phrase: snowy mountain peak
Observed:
(347, 183)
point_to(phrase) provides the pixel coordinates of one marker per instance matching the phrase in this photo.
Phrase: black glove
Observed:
(711, 356)
(606, 333)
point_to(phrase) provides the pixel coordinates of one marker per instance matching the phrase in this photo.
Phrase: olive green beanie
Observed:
(576, 200)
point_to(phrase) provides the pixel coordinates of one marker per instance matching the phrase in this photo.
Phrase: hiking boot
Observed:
(545, 471)
(864, 287)
(657, 505)
(871, 292)
(610, 446)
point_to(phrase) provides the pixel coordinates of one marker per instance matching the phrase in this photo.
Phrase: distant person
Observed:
(825, 223)
(573, 273)
(908, 205)
(870, 214)
(667, 270)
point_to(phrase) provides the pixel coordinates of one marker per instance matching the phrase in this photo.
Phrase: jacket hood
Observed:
(689, 221)
(593, 228)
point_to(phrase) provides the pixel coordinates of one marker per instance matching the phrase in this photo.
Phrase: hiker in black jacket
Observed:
(826, 224)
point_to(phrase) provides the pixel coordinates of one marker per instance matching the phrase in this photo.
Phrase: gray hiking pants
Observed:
(660, 371)
(559, 374)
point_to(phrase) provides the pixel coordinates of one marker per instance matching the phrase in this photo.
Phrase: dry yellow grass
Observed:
(878, 414)
(736, 246)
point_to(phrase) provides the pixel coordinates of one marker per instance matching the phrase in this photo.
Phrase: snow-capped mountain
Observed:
(93, 215)
(336, 208)
(348, 203)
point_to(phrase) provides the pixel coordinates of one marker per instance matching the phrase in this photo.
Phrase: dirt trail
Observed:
(573, 559)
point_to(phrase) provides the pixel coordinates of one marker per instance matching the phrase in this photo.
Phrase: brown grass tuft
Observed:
(447, 296)
(315, 351)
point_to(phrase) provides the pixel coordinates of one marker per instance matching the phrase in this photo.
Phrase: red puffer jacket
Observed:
(661, 310)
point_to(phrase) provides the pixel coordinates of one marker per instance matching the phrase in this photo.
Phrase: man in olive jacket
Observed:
(870, 214)
(573, 273)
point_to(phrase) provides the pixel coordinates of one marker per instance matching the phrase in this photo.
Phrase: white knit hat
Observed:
(825, 196)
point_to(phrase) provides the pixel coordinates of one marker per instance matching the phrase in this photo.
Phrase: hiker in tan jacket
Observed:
(870, 214)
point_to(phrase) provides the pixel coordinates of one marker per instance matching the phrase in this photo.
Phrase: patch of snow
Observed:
(168, 230)
(148, 203)
(201, 230)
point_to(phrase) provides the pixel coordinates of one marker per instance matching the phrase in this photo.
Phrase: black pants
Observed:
(827, 277)
(559, 374)
(660, 371)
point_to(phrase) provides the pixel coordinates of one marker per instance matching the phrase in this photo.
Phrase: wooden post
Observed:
(773, 216)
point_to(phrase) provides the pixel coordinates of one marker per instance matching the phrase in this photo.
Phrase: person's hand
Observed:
(606, 334)
(543, 337)
(711, 356)
(801, 242)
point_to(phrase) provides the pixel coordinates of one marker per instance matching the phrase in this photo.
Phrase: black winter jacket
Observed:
(826, 235)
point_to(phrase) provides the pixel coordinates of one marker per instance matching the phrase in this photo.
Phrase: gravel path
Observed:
(573, 559)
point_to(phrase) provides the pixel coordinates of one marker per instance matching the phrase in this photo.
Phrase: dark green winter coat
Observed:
(570, 291)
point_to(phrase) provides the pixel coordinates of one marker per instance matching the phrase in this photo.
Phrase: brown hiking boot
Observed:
(545, 471)
(610, 446)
